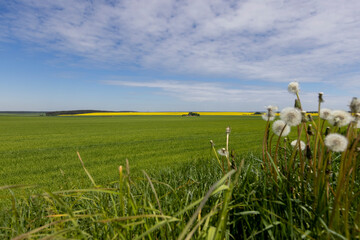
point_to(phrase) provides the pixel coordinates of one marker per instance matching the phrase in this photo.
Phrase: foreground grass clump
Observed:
(158, 207)
(195, 201)
(320, 167)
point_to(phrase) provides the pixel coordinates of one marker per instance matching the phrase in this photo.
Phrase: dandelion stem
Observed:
(277, 147)
(217, 158)
(265, 145)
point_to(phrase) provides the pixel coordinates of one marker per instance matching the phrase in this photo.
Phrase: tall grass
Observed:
(302, 189)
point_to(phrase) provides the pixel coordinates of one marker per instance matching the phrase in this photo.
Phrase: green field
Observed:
(42, 150)
(287, 193)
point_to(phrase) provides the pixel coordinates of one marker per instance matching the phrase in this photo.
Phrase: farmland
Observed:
(272, 186)
(42, 150)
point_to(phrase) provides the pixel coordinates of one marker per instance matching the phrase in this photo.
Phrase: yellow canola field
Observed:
(161, 114)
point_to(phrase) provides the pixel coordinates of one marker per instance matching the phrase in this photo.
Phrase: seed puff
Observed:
(292, 116)
(336, 142)
(339, 118)
(325, 113)
(302, 145)
(293, 87)
(278, 126)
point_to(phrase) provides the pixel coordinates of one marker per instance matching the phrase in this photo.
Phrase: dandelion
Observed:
(302, 144)
(336, 142)
(291, 116)
(339, 118)
(303, 116)
(325, 113)
(310, 130)
(309, 117)
(228, 130)
(270, 114)
(271, 109)
(357, 120)
(327, 131)
(280, 126)
(355, 105)
(293, 87)
(267, 117)
(321, 97)
(223, 152)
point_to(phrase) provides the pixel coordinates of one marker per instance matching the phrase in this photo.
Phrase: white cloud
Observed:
(268, 40)
(246, 98)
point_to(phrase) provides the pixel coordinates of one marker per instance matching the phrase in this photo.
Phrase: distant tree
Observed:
(193, 114)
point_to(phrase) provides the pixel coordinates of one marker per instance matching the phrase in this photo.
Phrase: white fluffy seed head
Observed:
(267, 117)
(302, 145)
(270, 114)
(336, 142)
(339, 118)
(271, 108)
(357, 120)
(325, 113)
(228, 130)
(293, 87)
(278, 127)
(223, 152)
(355, 105)
(291, 116)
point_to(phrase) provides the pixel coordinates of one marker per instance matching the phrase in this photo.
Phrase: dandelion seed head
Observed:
(293, 87)
(291, 116)
(270, 114)
(302, 144)
(309, 117)
(228, 130)
(267, 117)
(223, 152)
(278, 126)
(356, 120)
(325, 113)
(271, 108)
(339, 118)
(336, 142)
(355, 105)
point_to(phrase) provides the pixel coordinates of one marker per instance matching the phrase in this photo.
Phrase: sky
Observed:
(167, 55)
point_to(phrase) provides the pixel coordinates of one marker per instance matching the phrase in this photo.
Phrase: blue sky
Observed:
(165, 55)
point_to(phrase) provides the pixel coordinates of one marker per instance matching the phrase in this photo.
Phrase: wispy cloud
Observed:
(311, 41)
(197, 91)
(245, 98)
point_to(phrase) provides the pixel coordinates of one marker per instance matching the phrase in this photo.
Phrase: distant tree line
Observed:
(57, 113)
(191, 114)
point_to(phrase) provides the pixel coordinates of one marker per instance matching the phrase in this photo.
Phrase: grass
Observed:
(42, 150)
(282, 192)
